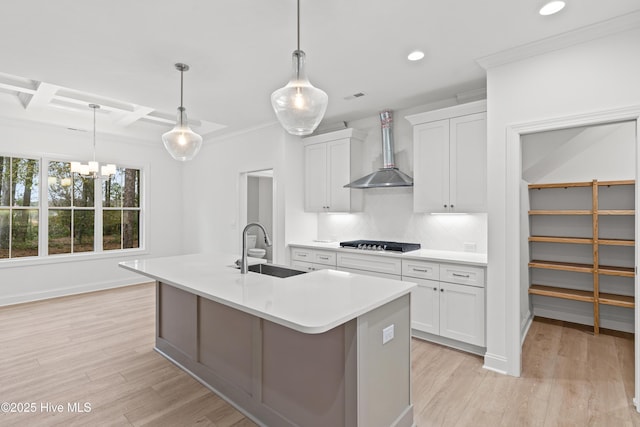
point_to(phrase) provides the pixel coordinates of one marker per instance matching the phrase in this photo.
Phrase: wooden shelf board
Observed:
(564, 266)
(561, 185)
(628, 212)
(609, 270)
(616, 242)
(617, 300)
(558, 239)
(620, 182)
(561, 212)
(552, 291)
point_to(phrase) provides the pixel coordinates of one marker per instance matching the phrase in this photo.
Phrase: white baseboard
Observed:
(496, 363)
(524, 327)
(61, 292)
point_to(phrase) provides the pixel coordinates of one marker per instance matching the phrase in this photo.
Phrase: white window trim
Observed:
(98, 253)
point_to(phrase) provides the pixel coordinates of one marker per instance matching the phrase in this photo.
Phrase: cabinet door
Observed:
(315, 177)
(339, 166)
(468, 163)
(462, 313)
(425, 306)
(431, 167)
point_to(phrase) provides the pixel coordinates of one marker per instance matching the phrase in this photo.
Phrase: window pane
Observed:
(112, 190)
(59, 182)
(83, 191)
(24, 235)
(25, 174)
(111, 233)
(83, 230)
(59, 231)
(4, 233)
(131, 196)
(5, 181)
(130, 229)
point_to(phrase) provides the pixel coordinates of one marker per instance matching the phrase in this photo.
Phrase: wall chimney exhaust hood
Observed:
(388, 175)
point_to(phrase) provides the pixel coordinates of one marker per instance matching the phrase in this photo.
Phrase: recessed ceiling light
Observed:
(552, 7)
(416, 55)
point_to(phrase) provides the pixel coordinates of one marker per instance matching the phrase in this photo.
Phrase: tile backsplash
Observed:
(388, 215)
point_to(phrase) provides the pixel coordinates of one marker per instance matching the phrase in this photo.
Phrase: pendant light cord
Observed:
(94, 133)
(298, 24)
(181, 91)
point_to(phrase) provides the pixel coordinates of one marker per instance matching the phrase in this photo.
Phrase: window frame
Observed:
(43, 256)
(13, 207)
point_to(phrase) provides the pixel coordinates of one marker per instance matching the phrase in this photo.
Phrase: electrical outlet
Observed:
(470, 246)
(387, 334)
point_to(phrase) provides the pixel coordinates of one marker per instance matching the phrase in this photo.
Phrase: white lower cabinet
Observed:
(462, 313)
(447, 306)
(425, 306)
(312, 259)
(450, 310)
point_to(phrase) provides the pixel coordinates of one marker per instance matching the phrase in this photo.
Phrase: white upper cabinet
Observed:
(450, 159)
(331, 161)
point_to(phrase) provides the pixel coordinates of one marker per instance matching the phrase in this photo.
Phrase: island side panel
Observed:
(384, 370)
(304, 374)
(178, 323)
(226, 347)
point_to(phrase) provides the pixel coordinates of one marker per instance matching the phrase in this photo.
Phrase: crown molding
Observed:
(581, 35)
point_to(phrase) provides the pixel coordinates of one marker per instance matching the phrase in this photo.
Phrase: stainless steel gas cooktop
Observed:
(380, 245)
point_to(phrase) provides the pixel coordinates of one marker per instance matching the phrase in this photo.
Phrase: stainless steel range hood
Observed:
(388, 175)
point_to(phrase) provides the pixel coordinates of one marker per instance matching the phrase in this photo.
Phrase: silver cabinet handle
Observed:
(460, 275)
(421, 270)
(323, 257)
(302, 255)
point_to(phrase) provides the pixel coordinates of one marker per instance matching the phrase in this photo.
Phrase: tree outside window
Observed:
(121, 210)
(19, 207)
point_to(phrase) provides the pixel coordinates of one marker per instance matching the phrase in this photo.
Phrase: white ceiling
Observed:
(122, 52)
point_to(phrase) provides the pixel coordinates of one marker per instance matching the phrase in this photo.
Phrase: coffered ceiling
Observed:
(58, 56)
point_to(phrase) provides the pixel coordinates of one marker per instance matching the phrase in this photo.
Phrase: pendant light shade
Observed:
(299, 106)
(181, 142)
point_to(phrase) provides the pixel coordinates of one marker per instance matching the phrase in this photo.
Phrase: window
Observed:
(19, 207)
(71, 210)
(121, 210)
(49, 210)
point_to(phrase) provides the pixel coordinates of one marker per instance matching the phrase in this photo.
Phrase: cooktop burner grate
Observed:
(380, 245)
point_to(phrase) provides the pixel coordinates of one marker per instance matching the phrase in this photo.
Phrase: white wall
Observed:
(387, 213)
(596, 76)
(213, 197)
(28, 279)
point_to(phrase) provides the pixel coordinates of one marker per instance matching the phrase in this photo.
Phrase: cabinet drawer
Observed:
(420, 269)
(380, 264)
(324, 257)
(308, 266)
(301, 254)
(462, 274)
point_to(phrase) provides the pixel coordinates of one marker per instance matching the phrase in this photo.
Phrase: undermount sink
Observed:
(275, 270)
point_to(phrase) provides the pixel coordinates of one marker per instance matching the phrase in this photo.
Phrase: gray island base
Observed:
(280, 374)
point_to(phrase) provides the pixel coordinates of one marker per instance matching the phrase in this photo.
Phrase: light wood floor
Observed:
(98, 348)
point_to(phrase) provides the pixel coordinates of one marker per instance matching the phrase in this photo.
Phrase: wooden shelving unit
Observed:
(594, 295)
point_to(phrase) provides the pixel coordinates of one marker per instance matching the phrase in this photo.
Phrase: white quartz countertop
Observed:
(469, 258)
(310, 303)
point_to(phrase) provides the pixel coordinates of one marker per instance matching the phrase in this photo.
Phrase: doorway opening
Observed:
(578, 198)
(259, 208)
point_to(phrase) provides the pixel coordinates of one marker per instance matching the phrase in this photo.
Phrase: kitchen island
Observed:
(326, 348)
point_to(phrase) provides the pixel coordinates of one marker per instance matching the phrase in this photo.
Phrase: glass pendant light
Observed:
(181, 142)
(92, 168)
(299, 105)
